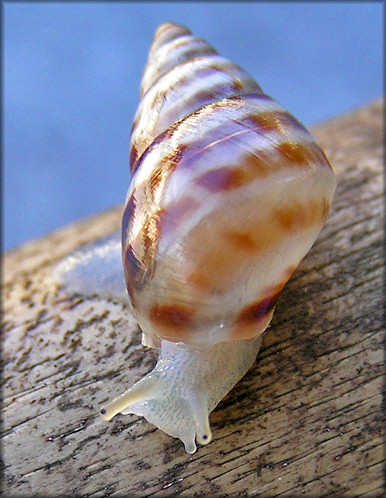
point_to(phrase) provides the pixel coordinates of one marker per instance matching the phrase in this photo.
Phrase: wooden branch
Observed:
(307, 417)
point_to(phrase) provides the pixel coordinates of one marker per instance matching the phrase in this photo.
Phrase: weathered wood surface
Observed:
(306, 419)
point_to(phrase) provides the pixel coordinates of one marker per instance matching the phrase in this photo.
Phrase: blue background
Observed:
(71, 74)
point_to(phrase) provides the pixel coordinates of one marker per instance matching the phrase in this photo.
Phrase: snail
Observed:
(227, 195)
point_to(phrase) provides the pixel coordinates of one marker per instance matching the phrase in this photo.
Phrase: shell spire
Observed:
(183, 74)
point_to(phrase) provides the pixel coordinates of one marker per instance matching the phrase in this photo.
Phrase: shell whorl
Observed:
(183, 74)
(228, 193)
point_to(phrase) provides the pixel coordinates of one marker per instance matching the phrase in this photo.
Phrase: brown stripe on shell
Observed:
(254, 318)
(203, 96)
(140, 254)
(296, 153)
(175, 157)
(133, 272)
(173, 320)
(234, 101)
(186, 55)
(160, 176)
(217, 180)
(270, 121)
(128, 213)
(183, 43)
(256, 311)
(185, 75)
(323, 158)
(164, 136)
(251, 166)
(131, 265)
(194, 53)
(238, 86)
(133, 156)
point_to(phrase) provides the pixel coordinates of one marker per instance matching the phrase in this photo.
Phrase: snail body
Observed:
(227, 195)
(185, 386)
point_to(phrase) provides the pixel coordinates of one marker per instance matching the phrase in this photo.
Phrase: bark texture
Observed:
(306, 419)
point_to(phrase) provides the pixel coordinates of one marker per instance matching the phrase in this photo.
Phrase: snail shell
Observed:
(228, 193)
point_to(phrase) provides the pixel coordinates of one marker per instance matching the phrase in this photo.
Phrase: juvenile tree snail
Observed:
(228, 193)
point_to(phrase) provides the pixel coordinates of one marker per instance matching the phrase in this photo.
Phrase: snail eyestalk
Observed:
(145, 388)
(199, 405)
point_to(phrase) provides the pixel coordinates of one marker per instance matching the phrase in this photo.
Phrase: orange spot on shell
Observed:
(220, 179)
(242, 240)
(289, 217)
(299, 216)
(258, 166)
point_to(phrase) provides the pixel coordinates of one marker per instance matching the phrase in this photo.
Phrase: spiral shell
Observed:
(228, 193)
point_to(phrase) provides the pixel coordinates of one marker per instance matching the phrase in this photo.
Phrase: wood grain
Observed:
(306, 419)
